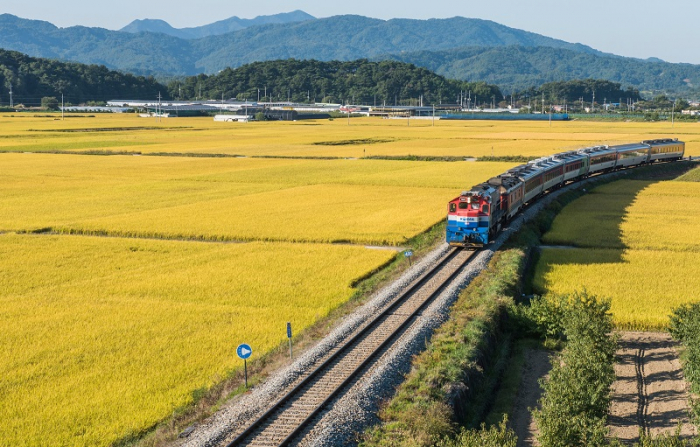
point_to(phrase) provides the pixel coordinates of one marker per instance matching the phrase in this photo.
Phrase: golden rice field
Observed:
(636, 242)
(361, 201)
(363, 137)
(104, 337)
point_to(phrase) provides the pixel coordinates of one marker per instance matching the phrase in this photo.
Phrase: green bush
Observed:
(496, 436)
(576, 398)
(684, 326)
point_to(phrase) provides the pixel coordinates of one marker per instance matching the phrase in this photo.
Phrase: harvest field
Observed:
(104, 337)
(637, 242)
(361, 201)
(323, 138)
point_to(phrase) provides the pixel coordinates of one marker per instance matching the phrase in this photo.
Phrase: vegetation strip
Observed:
(449, 372)
(685, 327)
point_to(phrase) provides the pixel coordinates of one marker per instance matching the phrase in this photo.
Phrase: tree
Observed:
(49, 103)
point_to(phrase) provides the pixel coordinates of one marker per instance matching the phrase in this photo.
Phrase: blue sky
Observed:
(637, 28)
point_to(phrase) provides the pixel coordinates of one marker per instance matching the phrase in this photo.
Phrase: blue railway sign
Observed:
(244, 351)
(408, 253)
(289, 330)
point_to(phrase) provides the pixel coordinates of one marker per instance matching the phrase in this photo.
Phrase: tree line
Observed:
(31, 79)
(354, 82)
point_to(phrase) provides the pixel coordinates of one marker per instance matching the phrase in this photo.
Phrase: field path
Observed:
(650, 391)
(537, 365)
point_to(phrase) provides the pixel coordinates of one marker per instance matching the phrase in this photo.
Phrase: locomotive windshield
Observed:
(463, 205)
(453, 207)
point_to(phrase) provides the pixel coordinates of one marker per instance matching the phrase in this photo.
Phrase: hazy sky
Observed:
(638, 28)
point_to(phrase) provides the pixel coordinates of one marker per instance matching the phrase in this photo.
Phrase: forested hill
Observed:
(516, 68)
(354, 82)
(33, 78)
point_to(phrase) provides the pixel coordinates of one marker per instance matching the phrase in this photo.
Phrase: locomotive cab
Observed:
(468, 219)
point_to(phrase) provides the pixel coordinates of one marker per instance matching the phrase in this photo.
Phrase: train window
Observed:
(453, 207)
(463, 205)
(475, 206)
(485, 209)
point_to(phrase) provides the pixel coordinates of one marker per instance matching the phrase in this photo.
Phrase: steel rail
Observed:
(348, 345)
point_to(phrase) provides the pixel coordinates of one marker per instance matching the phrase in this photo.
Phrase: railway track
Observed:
(292, 414)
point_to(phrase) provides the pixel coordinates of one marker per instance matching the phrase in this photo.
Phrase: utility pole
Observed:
(673, 110)
(63, 112)
(543, 103)
(158, 109)
(593, 103)
(12, 104)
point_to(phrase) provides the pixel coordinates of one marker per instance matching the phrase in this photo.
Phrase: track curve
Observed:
(292, 413)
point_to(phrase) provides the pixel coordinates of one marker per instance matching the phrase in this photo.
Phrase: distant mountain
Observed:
(516, 68)
(458, 47)
(333, 38)
(214, 29)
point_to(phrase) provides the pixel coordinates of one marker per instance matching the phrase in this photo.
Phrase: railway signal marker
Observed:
(408, 254)
(244, 351)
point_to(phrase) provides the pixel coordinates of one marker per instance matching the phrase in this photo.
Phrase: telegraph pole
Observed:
(673, 110)
(12, 104)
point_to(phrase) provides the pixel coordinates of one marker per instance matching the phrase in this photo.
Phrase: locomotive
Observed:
(477, 216)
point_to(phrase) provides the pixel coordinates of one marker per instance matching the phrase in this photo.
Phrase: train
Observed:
(476, 217)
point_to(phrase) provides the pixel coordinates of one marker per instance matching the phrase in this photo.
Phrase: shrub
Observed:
(496, 436)
(577, 395)
(684, 326)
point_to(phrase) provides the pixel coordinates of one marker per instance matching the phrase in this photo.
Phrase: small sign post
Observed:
(244, 351)
(289, 336)
(408, 254)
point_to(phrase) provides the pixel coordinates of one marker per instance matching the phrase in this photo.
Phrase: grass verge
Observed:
(444, 385)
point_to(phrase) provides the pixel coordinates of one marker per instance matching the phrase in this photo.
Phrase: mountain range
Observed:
(460, 48)
(213, 29)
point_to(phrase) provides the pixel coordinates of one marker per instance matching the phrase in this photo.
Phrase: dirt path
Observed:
(650, 391)
(537, 365)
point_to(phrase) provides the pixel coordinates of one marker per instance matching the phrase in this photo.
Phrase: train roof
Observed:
(630, 147)
(661, 141)
(526, 172)
(508, 181)
(546, 163)
(568, 157)
(597, 150)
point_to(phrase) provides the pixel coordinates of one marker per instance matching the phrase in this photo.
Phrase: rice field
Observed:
(324, 138)
(127, 281)
(231, 199)
(103, 337)
(636, 242)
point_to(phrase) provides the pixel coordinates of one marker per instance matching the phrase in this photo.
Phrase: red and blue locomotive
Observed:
(476, 216)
